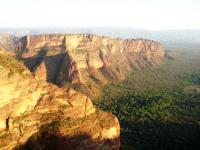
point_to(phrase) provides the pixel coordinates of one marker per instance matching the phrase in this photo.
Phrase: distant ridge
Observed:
(175, 36)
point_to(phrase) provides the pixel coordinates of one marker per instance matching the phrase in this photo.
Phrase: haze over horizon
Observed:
(144, 14)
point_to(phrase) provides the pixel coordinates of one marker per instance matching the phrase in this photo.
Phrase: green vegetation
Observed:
(158, 108)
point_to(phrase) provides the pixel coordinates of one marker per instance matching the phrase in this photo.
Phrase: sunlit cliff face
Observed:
(32, 108)
(84, 58)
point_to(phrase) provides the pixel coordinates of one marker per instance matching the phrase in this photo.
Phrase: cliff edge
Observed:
(39, 115)
(86, 61)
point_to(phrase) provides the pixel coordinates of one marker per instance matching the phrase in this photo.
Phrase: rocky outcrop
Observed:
(39, 115)
(87, 59)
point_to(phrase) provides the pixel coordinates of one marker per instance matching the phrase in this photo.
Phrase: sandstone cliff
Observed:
(7, 41)
(38, 115)
(87, 61)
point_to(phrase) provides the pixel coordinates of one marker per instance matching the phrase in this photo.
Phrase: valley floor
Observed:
(159, 108)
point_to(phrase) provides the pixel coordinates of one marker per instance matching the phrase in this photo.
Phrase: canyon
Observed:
(48, 82)
(86, 62)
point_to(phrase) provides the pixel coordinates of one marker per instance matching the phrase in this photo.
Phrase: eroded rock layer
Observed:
(7, 41)
(85, 58)
(38, 115)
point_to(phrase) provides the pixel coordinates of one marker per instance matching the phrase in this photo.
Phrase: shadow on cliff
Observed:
(32, 62)
(134, 136)
(52, 139)
(52, 63)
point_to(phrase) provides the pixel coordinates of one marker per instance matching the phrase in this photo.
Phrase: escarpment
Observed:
(85, 60)
(36, 115)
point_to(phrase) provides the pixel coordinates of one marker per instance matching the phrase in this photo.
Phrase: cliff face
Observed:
(87, 59)
(38, 115)
(7, 41)
(35, 114)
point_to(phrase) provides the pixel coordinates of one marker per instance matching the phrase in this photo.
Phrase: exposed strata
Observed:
(7, 41)
(88, 59)
(38, 115)
(34, 113)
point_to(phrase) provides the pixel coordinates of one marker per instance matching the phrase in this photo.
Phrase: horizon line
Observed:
(90, 27)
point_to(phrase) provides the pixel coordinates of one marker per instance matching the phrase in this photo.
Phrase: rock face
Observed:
(86, 59)
(8, 42)
(38, 115)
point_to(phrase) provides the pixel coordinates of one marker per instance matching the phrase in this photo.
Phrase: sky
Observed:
(143, 14)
